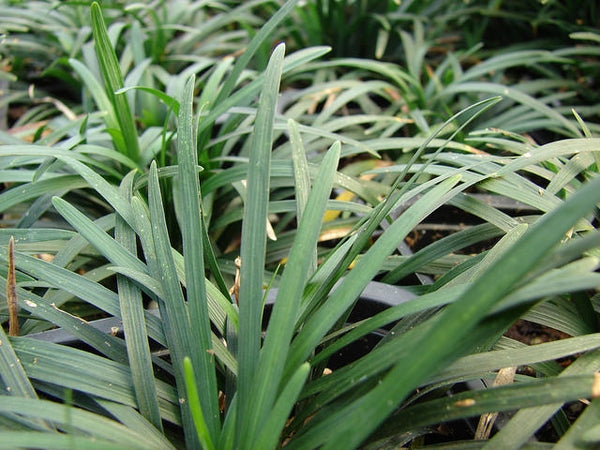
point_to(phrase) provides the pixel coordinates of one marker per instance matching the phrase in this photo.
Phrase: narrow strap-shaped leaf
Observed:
(75, 418)
(543, 153)
(174, 314)
(165, 98)
(440, 248)
(195, 405)
(70, 282)
(285, 310)
(504, 398)
(211, 260)
(291, 62)
(58, 441)
(301, 170)
(24, 193)
(270, 430)
(254, 235)
(97, 93)
(442, 338)
(540, 287)
(514, 94)
(190, 224)
(487, 331)
(34, 235)
(97, 376)
(113, 78)
(13, 375)
(501, 247)
(371, 223)
(134, 325)
(585, 431)
(109, 192)
(344, 296)
(211, 89)
(38, 307)
(81, 287)
(132, 419)
(252, 48)
(520, 356)
(76, 245)
(107, 246)
(518, 430)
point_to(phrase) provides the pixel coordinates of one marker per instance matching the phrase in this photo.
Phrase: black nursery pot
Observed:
(375, 298)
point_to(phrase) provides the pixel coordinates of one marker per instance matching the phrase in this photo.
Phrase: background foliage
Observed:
(447, 149)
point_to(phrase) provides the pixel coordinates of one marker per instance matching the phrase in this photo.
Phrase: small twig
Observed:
(69, 314)
(57, 104)
(11, 291)
(235, 289)
(486, 421)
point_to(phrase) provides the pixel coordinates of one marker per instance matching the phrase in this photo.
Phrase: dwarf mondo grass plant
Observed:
(230, 243)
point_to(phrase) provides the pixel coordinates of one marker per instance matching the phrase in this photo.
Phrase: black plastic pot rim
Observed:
(384, 294)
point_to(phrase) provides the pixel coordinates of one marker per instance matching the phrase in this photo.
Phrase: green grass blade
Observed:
(57, 441)
(526, 422)
(442, 339)
(551, 150)
(75, 418)
(516, 95)
(174, 313)
(24, 193)
(211, 88)
(505, 398)
(13, 375)
(287, 304)
(213, 264)
(507, 60)
(132, 419)
(107, 246)
(34, 236)
(258, 39)
(486, 212)
(169, 101)
(190, 224)
(301, 170)
(390, 315)
(254, 235)
(39, 308)
(97, 376)
(363, 272)
(237, 98)
(520, 356)
(196, 406)
(134, 325)
(270, 430)
(110, 193)
(441, 248)
(99, 95)
(78, 285)
(113, 79)
(504, 245)
(219, 306)
(584, 432)
(383, 356)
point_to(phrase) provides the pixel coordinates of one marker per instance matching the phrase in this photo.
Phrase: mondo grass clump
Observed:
(211, 239)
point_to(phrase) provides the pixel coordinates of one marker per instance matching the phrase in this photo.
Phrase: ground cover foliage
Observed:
(177, 165)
